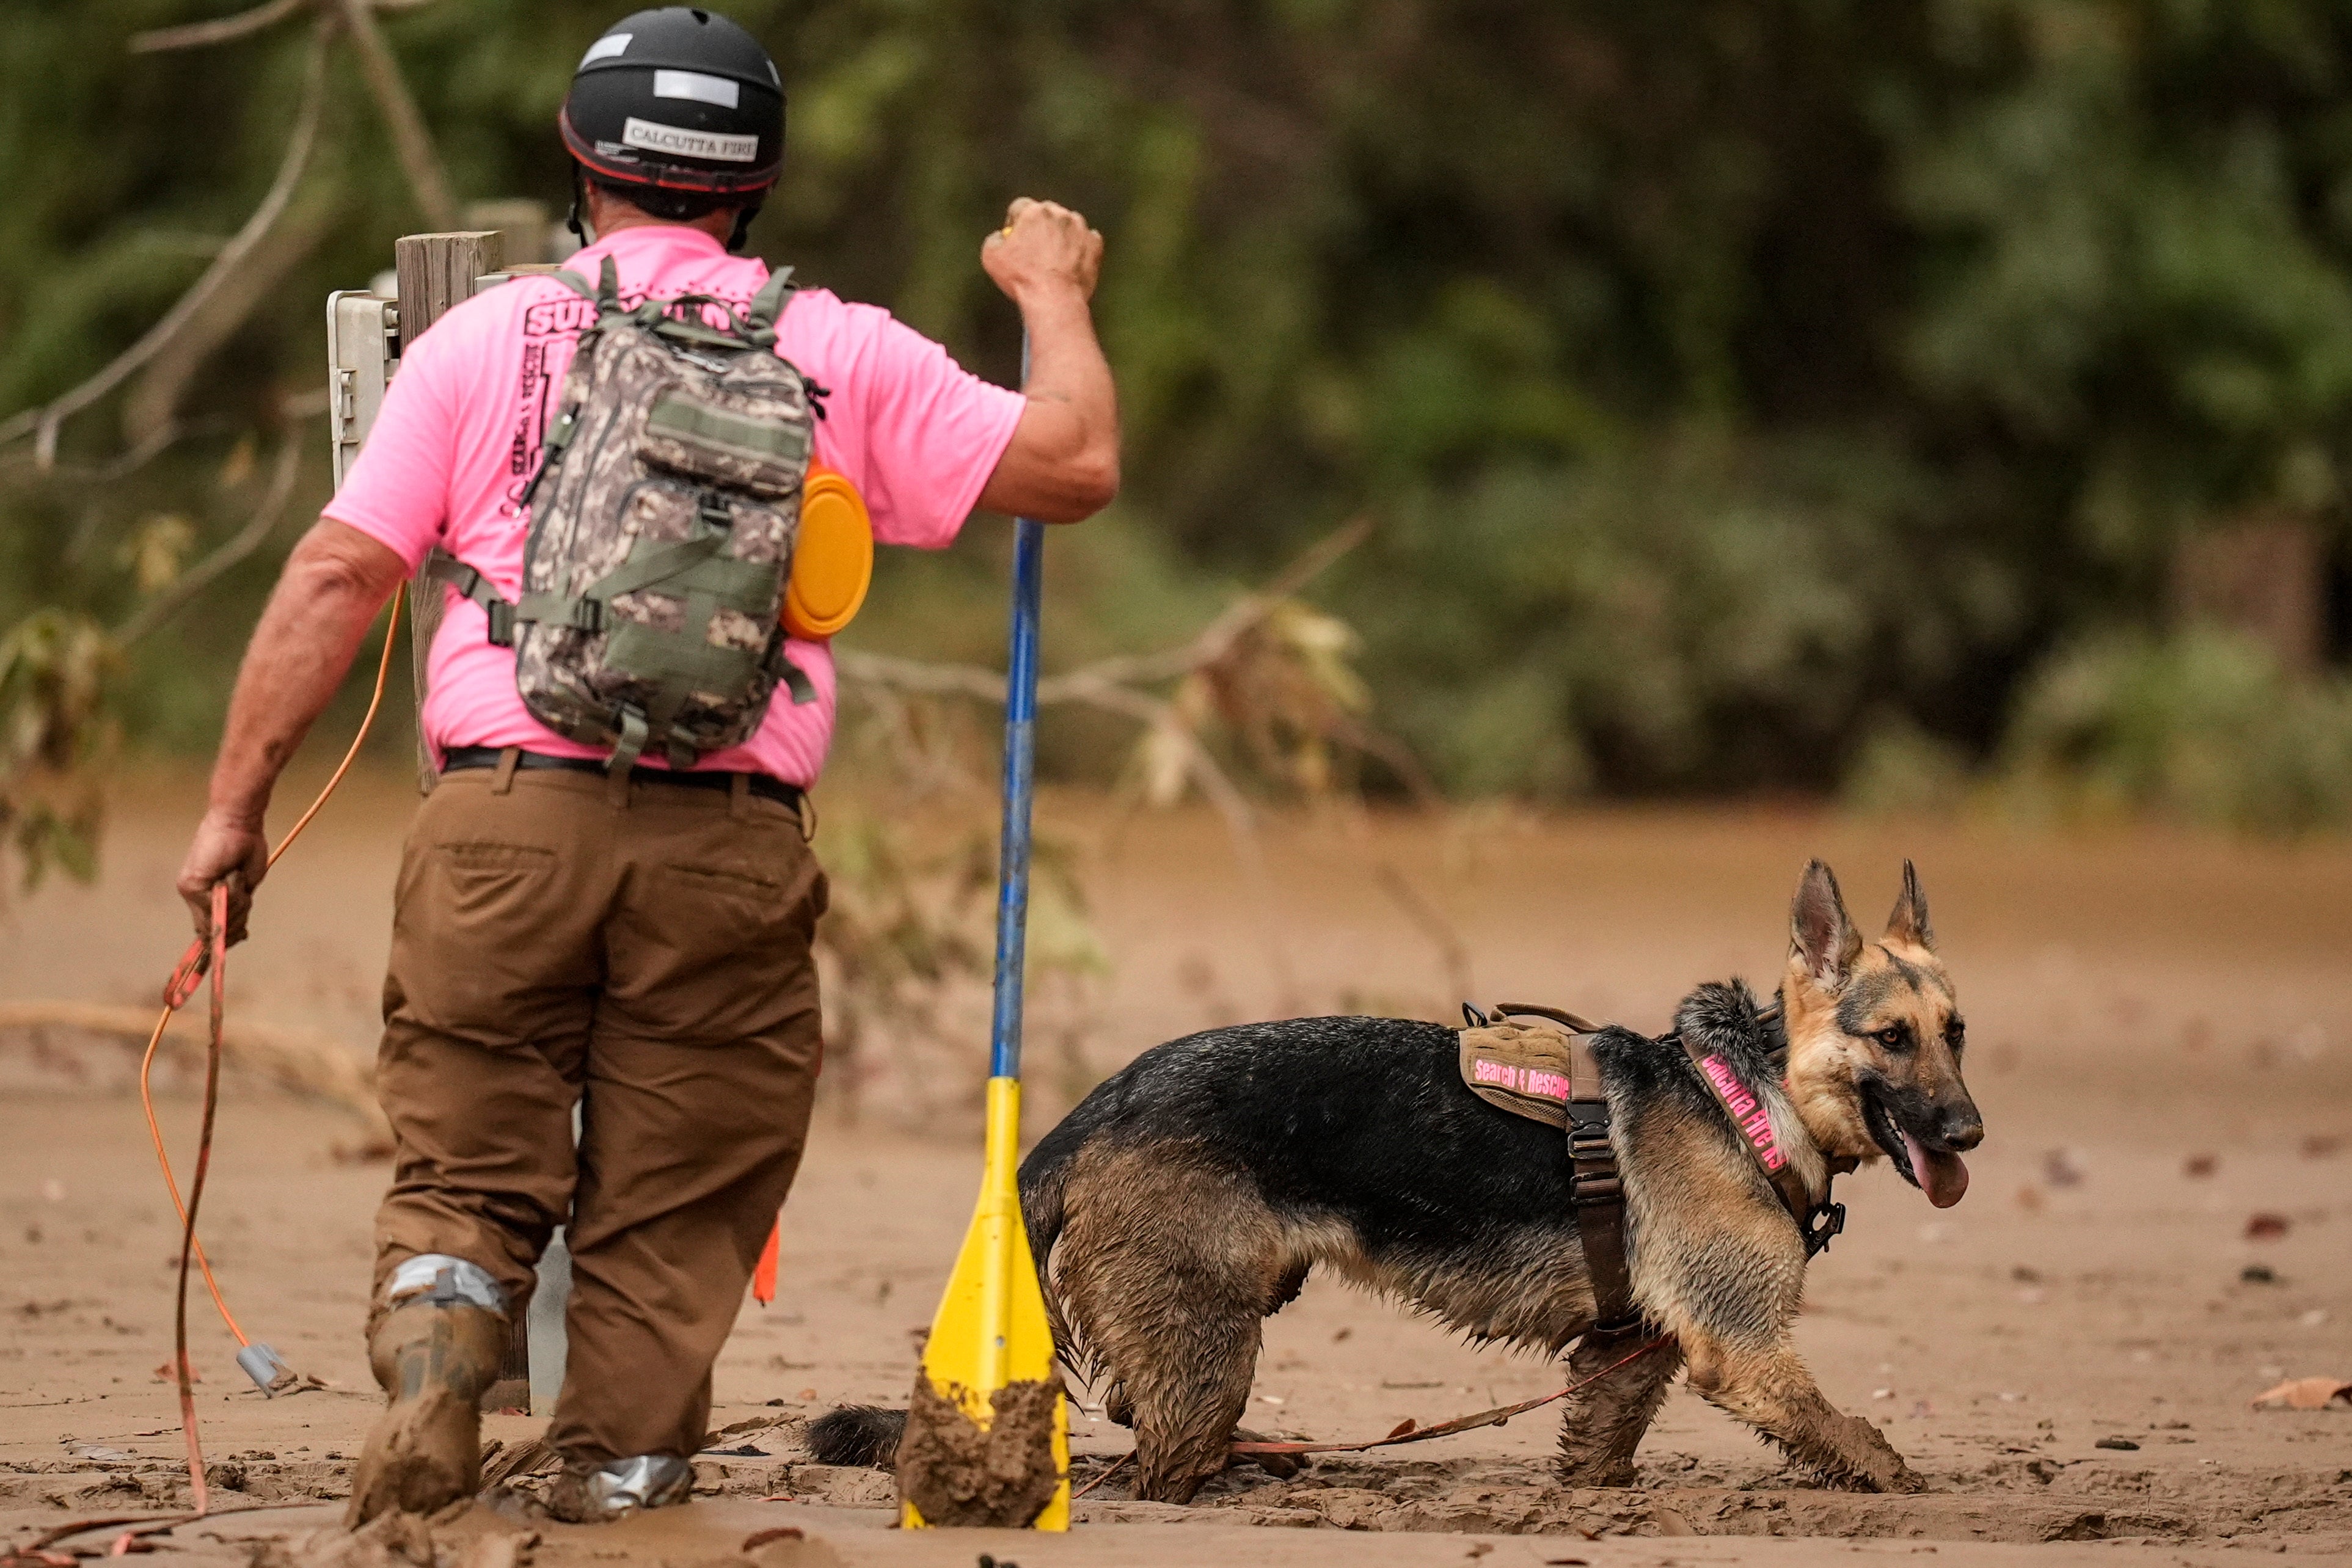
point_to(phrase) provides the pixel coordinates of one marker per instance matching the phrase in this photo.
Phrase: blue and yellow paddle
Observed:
(990, 1333)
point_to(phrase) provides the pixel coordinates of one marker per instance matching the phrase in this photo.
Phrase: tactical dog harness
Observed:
(1539, 1071)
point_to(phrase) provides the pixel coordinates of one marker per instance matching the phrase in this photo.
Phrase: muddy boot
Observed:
(437, 1348)
(592, 1494)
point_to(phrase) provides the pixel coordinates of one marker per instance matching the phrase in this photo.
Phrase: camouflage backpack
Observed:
(669, 502)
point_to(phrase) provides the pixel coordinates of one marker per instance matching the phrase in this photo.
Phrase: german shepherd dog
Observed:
(1189, 1196)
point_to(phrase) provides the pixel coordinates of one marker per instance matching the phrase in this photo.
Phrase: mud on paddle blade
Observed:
(987, 1439)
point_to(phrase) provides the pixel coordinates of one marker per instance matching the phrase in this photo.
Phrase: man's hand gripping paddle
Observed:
(987, 1441)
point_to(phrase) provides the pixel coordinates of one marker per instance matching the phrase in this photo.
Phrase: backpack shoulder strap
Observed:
(770, 302)
(605, 296)
(574, 282)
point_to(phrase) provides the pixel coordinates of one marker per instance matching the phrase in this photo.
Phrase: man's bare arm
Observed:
(333, 584)
(1061, 465)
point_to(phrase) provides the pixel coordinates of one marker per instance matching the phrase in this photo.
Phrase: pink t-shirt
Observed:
(458, 438)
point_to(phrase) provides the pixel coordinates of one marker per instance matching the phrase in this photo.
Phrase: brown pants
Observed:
(649, 960)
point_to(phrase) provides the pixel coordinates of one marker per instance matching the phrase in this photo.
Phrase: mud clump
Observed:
(956, 1474)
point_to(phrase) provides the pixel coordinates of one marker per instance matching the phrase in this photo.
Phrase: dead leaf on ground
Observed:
(2265, 1227)
(1402, 1427)
(2305, 1393)
(755, 1424)
(164, 1373)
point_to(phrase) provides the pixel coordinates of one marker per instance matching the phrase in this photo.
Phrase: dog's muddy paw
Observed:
(1617, 1474)
(1905, 1479)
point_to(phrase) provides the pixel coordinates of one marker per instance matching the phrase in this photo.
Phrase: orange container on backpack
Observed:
(833, 561)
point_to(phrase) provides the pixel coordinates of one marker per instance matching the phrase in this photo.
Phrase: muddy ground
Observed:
(2161, 1041)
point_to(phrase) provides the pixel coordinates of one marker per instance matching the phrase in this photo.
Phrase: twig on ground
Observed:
(1116, 1466)
(305, 1064)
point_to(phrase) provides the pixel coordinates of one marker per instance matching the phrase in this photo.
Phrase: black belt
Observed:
(459, 759)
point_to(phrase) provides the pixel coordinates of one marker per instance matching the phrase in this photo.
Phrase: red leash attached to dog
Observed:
(1494, 1417)
(1410, 1433)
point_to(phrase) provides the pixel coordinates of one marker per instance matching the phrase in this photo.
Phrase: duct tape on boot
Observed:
(622, 1487)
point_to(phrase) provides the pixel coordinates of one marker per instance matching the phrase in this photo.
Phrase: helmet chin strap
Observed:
(571, 220)
(574, 220)
(742, 230)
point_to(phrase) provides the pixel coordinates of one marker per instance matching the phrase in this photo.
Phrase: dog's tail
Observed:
(858, 1435)
(1045, 1184)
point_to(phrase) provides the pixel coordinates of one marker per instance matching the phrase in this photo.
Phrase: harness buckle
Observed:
(502, 622)
(1825, 1221)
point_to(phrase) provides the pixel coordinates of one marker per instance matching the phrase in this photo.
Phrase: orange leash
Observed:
(204, 956)
(196, 1194)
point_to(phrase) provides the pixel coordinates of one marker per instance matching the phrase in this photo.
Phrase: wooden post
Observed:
(436, 272)
(439, 274)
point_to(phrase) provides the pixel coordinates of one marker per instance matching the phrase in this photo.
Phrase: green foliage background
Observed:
(1741, 387)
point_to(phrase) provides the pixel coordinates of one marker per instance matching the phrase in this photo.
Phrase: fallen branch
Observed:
(1114, 685)
(1084, 688)
(1215, 639)
(310, 1064)
(249, 538)
(223, 29)
(220, 30)
(45, 420)
(410, 139)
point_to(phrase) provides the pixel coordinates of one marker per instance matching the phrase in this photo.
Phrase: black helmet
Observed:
(681, 99)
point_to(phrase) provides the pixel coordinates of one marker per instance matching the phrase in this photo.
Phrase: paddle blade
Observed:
(989, 1338)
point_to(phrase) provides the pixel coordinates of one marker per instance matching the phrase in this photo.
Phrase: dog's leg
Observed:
(1771, 1391)
(1603, 1424)
(1168, 1268)
(1183, 1363)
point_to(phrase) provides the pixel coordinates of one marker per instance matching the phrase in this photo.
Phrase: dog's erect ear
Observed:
(1909, 920)
(1823, 939)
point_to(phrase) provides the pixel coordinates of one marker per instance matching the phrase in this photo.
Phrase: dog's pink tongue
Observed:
(1943, 1178)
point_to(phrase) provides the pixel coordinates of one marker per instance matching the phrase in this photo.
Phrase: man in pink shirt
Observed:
(641, 952)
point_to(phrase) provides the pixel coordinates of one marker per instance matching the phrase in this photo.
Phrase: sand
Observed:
(2161, 1030)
